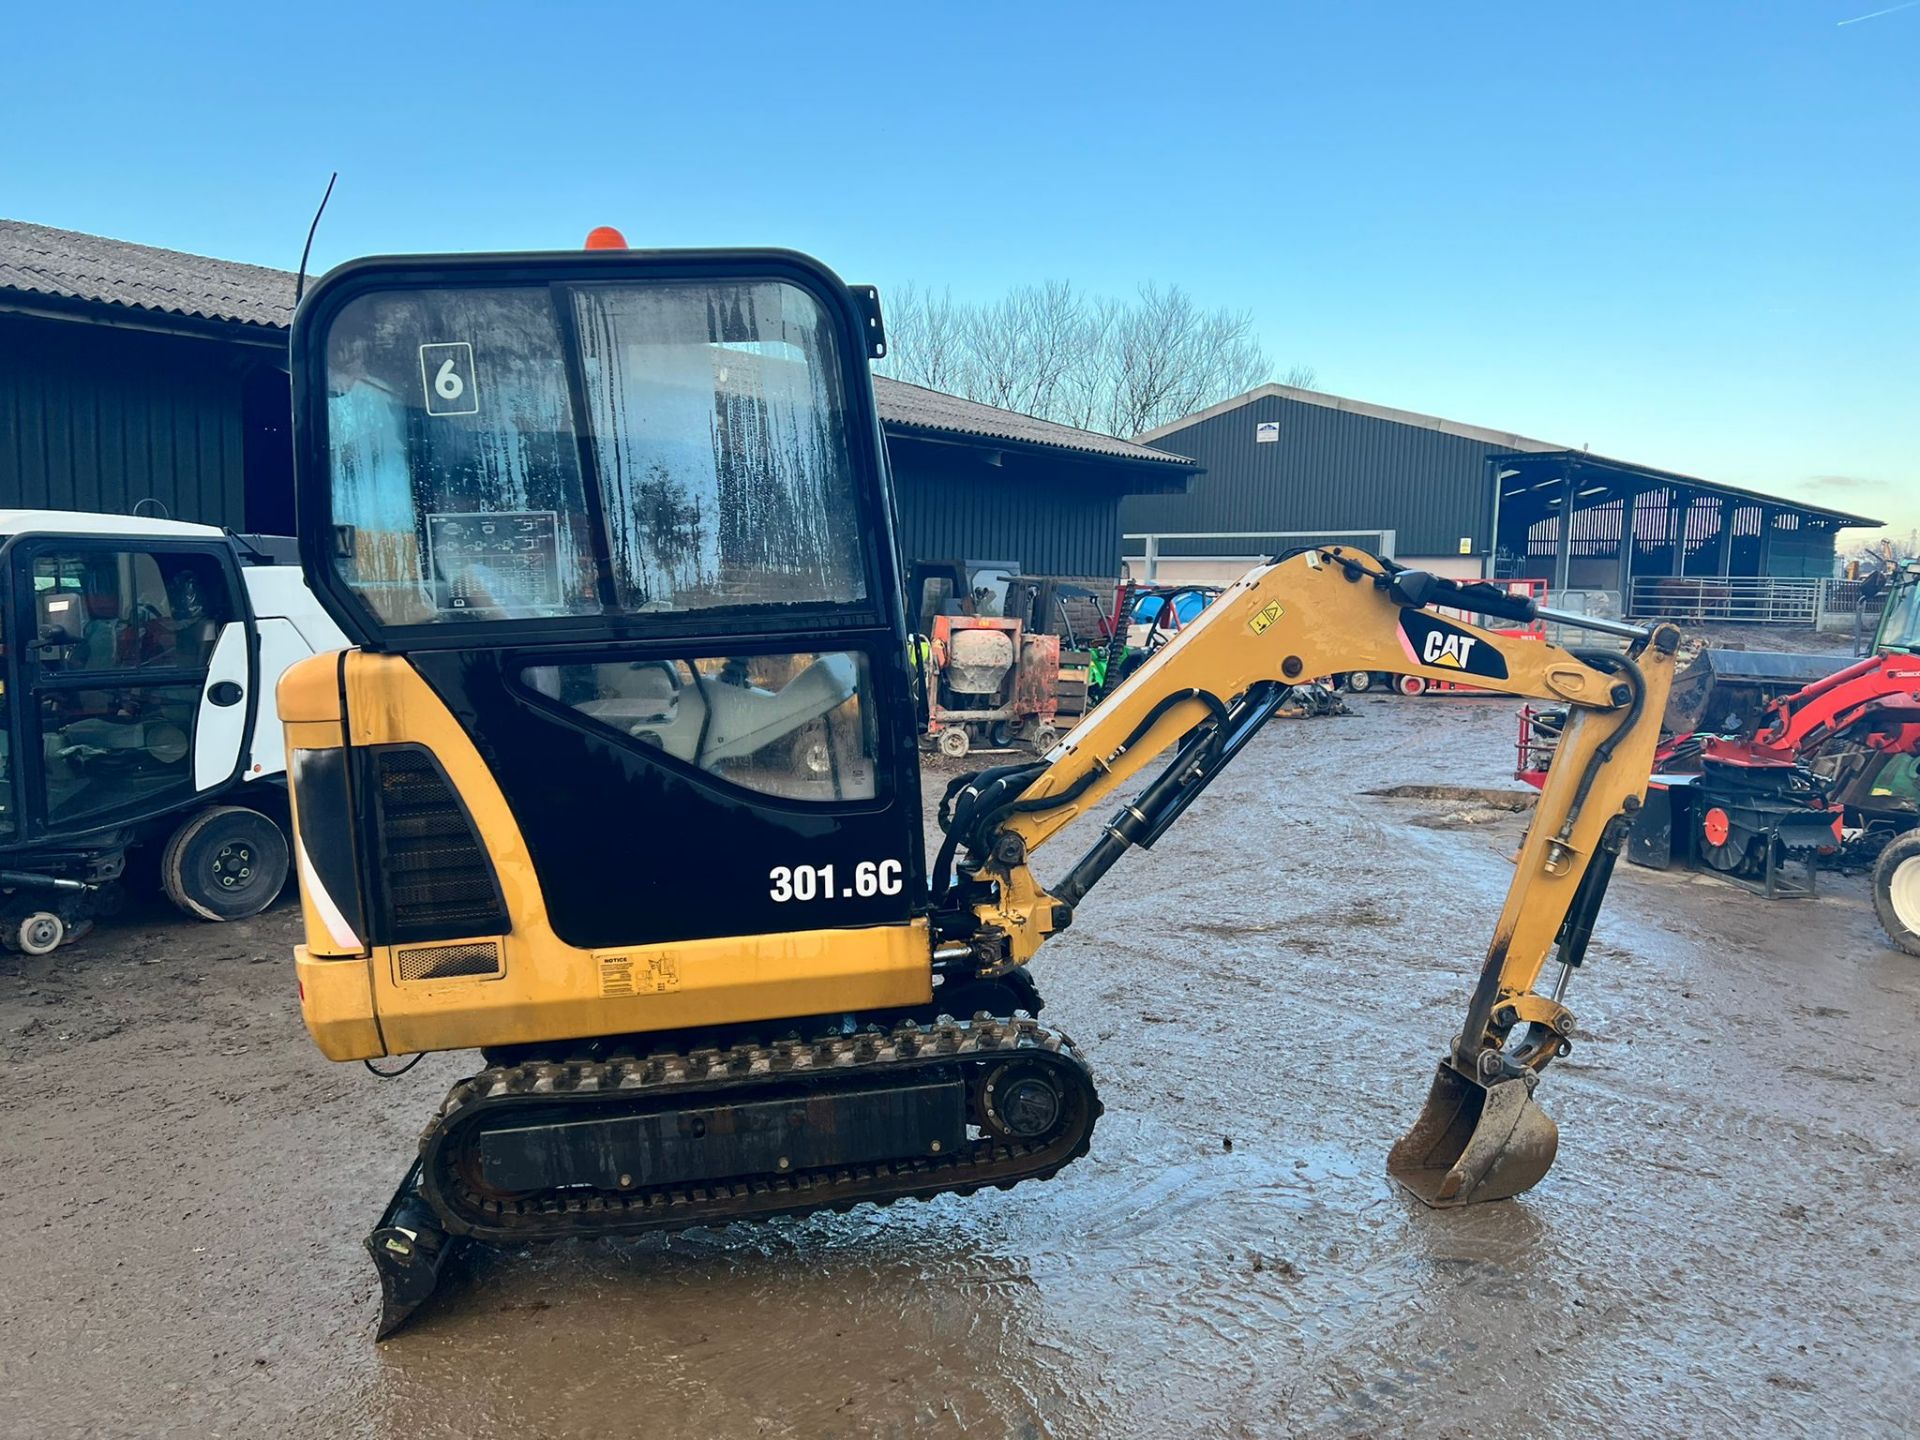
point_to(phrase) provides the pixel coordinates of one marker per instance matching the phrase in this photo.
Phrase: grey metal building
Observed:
(1285, 466)
(132, 374)
(978, 483)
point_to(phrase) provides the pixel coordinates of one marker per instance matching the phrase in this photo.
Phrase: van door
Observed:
(122, 640)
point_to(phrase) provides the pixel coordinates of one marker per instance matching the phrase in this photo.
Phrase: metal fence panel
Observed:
(1733, 599)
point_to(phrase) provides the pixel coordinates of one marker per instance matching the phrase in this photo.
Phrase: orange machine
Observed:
(991, 682)
(990, 679)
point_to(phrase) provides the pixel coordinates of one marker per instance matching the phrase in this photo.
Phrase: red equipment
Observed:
(1832, 756)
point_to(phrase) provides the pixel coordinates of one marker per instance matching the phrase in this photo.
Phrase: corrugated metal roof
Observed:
(1352, 407)
(69, 265)
(1585, 460)
(923, 409)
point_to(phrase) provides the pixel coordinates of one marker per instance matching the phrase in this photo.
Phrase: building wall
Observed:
(1807, 551)
(1052, 517)
(94, 417)
(1330, 470)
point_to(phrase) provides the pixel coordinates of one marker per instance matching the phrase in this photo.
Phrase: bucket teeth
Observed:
(1474, 1142)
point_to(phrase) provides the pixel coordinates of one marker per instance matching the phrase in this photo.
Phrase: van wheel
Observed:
(225, 863)
(1896, 891)
(1359, 681)
(39, 933)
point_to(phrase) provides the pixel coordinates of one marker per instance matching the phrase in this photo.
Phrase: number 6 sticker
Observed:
(446, 373)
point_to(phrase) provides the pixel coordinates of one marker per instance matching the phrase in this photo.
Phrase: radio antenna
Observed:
(300, 281)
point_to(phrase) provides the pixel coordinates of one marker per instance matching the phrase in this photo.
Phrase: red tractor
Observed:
(1763, 766)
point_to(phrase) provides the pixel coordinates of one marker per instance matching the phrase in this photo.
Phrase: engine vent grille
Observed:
(434, 877)
(448, 962)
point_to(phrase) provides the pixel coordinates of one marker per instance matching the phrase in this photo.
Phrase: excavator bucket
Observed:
(1474, 1142)
(409, 1249)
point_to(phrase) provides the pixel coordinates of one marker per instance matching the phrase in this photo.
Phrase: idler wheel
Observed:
(1021, 1102)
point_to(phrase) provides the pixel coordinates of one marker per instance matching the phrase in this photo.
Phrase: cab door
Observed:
(132, 655)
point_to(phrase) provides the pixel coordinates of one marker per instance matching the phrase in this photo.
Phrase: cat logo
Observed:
(1447, 651)
(1259, 623)
(1427, 639)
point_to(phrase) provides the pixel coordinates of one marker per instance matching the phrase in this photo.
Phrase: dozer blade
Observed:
(1474, 1142)
(409, 1249)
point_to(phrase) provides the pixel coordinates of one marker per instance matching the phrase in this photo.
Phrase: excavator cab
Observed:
(618, 525)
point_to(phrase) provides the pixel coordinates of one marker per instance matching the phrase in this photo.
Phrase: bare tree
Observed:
(924, 339)
(1095, 363)
(1021, 349)
(1080, 399)
(1172, 359)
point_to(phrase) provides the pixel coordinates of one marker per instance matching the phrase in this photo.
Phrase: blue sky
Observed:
(1687, 234)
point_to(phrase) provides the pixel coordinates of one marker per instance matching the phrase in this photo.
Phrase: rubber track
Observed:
(522, 1090)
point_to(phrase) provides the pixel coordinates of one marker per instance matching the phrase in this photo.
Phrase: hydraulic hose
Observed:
(1615, 664)
(1079, 787)
(974, 804)
(957, 808)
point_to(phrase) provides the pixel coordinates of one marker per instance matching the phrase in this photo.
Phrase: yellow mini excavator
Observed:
(620, 784)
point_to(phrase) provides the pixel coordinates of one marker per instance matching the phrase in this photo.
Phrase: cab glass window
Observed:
(487, 445)
(121, 747)
(719, 430)
(457, 488)
(1900, 626)
(799, 726)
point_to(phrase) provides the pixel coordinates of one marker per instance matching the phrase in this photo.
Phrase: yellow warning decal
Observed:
(1266, 617)
(638, 975)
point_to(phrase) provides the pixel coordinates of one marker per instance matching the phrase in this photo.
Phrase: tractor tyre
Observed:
(225, 863)
(1411, 685)
(1896, 891)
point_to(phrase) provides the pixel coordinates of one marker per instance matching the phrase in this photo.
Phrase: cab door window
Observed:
(796, 726)
(122, 640)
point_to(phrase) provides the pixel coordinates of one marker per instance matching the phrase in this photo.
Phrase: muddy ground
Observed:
(1729, 1244)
